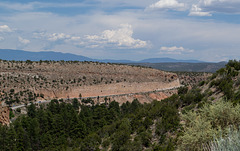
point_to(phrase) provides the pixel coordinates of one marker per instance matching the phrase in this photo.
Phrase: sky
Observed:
(207, 30)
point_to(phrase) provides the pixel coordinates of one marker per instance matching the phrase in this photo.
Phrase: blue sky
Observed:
(207, 30)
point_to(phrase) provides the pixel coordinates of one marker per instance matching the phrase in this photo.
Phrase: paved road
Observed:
(23, 105)
(93, 97)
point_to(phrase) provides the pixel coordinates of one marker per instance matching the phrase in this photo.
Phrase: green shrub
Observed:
(106, 143)
(201, 83)
(188, 108)
(212, 83)
(12, 90)
(213, 76)
(18, 110)
(182, 90)
(228, 143)
(222, 71)
(11, 115)
(201, 127)
(233, 63)
(210, 93)
(194, 96)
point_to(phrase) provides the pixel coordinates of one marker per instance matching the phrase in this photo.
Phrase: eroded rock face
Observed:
(4, 115)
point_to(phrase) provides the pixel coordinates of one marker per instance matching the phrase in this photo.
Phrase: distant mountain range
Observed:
(167, 64)
(161, 60)
(20, 55)
(184, 66)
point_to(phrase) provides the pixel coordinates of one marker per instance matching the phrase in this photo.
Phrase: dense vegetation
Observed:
(192, 120)
(61, 126)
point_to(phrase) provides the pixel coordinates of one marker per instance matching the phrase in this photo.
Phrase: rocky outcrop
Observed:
(4, 115)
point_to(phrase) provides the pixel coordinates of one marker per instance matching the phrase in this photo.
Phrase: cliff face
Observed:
(4, 115)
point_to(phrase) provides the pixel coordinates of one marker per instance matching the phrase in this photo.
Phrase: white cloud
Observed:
(54, 37)
(158, 28)
(198, 8)
(168, 4)
(5, 28)
(196, 11)
(121, 37)
(58, 36)
(92, 37)
(23, 41)
(40, 35)
(1, 38)
(75, 38)
(207, 2)
(174, 50)
(52, 40)
(210, 2)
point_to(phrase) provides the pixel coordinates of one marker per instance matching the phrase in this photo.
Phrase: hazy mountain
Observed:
(161, 60)
(167, 64)
(116, 61)
(8, 54)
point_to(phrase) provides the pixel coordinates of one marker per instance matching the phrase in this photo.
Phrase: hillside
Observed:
(210, 111)
(22, 82)
(224, 83)
(184, 66)
(203, 117)
(192, 78)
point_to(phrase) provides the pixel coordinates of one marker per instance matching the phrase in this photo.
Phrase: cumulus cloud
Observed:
(210, 2)
(5, 28)
(75, 38)
(200, 8)
(51, 40)
(174, 50)
(58, 36)
(168, 4)
(121, 37)
(23, 41)
(196, 11)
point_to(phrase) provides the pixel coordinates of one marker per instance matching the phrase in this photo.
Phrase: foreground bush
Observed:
(201, 126)
(228, 143)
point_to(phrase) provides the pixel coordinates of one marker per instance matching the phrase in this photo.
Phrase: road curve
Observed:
(92, 97)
